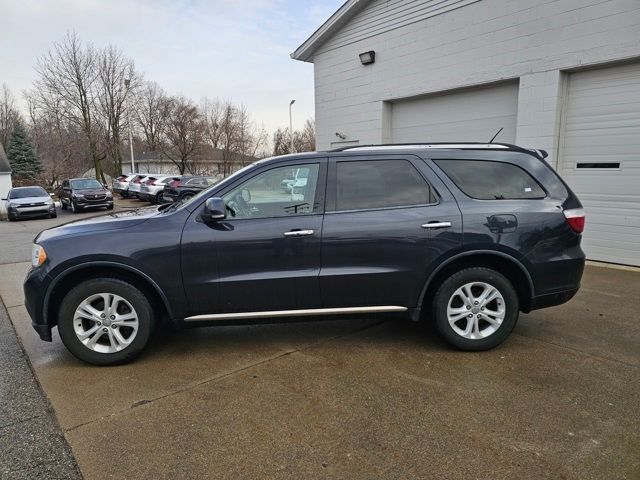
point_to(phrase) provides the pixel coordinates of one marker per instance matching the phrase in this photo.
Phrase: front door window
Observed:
(279, 192)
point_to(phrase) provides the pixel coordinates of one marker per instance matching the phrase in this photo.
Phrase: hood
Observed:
(22, 201)
(90, 191)
(112, 221)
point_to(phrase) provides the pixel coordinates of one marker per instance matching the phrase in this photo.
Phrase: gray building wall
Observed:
(431, 46)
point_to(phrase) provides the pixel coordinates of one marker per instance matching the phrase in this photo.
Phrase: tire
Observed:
(476, 333)
(53, 215)
(159, 198)
(124, 194)
(105, 350)
(110, 207)
(74, 207)
(63, 205)
(11, 218)
(186, 196)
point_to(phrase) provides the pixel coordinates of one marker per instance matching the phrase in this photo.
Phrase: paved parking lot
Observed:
(354, 398)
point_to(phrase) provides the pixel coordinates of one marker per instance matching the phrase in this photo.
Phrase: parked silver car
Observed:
(152, 188)
(23, 202)
(121, 184)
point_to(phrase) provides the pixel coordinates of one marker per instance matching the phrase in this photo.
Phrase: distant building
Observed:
(5, 178)
(209, 162)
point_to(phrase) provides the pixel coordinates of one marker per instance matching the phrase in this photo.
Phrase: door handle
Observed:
(298, 233)
(436, 225)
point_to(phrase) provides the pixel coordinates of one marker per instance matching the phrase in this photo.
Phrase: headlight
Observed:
(38, 255)
(13, 205)
(109, 194)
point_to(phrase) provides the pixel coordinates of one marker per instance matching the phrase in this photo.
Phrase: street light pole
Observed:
(291, 125)
(127, 82)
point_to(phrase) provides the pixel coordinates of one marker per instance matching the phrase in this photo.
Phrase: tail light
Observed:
(121, 178)
(151, 182)
(137, 180)
(575, 218)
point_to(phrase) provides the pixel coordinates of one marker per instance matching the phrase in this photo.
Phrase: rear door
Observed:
(383, 214)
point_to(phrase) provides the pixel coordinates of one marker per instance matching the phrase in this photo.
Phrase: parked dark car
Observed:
(466, 235)
(82, 193)
(186, 188)
(29, 202)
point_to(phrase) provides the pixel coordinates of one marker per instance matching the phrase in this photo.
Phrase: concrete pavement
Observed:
(360, 398)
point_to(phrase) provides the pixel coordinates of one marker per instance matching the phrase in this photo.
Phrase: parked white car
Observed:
(152, 188)
(23, 202)
(121, 184)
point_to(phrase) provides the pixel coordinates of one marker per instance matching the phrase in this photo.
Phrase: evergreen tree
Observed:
(22, 156)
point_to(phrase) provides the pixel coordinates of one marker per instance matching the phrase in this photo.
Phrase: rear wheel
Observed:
(475, 309)
(63, 205)
(105, 321)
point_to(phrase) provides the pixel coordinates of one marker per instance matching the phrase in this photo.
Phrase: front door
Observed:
(266, 255)
(383, 215)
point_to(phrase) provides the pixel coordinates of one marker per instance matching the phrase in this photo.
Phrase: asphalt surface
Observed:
(357, 398)
(32, 444)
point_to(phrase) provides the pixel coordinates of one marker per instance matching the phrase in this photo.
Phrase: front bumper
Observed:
(83, 203)
(35, 287)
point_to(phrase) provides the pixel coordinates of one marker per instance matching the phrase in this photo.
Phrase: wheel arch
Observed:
(502, 262)
(104, 269)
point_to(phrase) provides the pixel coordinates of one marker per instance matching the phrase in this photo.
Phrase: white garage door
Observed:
(601, 159)
(470, 115)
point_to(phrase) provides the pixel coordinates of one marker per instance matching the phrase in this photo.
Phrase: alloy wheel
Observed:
(476, 310)
(105, 323)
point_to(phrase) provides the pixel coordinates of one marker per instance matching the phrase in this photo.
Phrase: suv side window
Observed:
(278, 192)
(487, 180)
(367, 184)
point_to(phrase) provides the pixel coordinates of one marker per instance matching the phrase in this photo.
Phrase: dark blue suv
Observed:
(466, 235)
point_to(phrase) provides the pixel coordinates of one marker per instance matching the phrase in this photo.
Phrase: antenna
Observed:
(494, 137)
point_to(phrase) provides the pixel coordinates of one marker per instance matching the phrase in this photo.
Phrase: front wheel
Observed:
(186, 197)
(105, 321)
(475, 309)
(74, 207)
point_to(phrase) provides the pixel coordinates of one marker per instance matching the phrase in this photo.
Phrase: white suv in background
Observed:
(121, 184)
(152, 187)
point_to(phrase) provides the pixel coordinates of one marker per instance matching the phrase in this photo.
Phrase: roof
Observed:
(335, 22)
(4, 162)
(444, 146)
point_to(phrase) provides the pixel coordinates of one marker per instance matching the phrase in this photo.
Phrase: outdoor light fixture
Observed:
(368, 57)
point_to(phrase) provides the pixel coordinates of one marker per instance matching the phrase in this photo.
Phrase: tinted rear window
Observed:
(486, 180)
(380, 184)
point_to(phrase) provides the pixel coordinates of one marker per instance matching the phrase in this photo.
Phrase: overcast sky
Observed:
(232, 49)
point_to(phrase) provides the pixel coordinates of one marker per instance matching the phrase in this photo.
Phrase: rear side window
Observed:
(379, 184)
(486, 180)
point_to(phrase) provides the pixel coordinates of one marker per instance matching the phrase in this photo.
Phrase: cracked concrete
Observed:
(359, 398)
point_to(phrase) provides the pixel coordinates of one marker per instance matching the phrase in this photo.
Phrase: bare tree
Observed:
(59, 142)
(303, 140)
(184, 134)
(113, 68)
(68, 75)
(9, 115)
(151, 111)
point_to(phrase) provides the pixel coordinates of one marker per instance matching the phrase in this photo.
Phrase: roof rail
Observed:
(444, 145)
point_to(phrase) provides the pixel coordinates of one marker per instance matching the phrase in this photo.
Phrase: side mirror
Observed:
(3, 199)
(214, 210)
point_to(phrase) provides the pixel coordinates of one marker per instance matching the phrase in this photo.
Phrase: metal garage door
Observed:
(601, 159)
(470, 115)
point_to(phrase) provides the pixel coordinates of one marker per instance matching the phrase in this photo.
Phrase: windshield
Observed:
(205, 192)
(85, 184)
(28, 192)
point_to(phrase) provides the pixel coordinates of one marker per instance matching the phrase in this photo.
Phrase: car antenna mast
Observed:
(497, 133)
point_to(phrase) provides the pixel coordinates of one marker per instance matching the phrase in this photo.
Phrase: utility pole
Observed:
(127, 82)
(291, 125)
